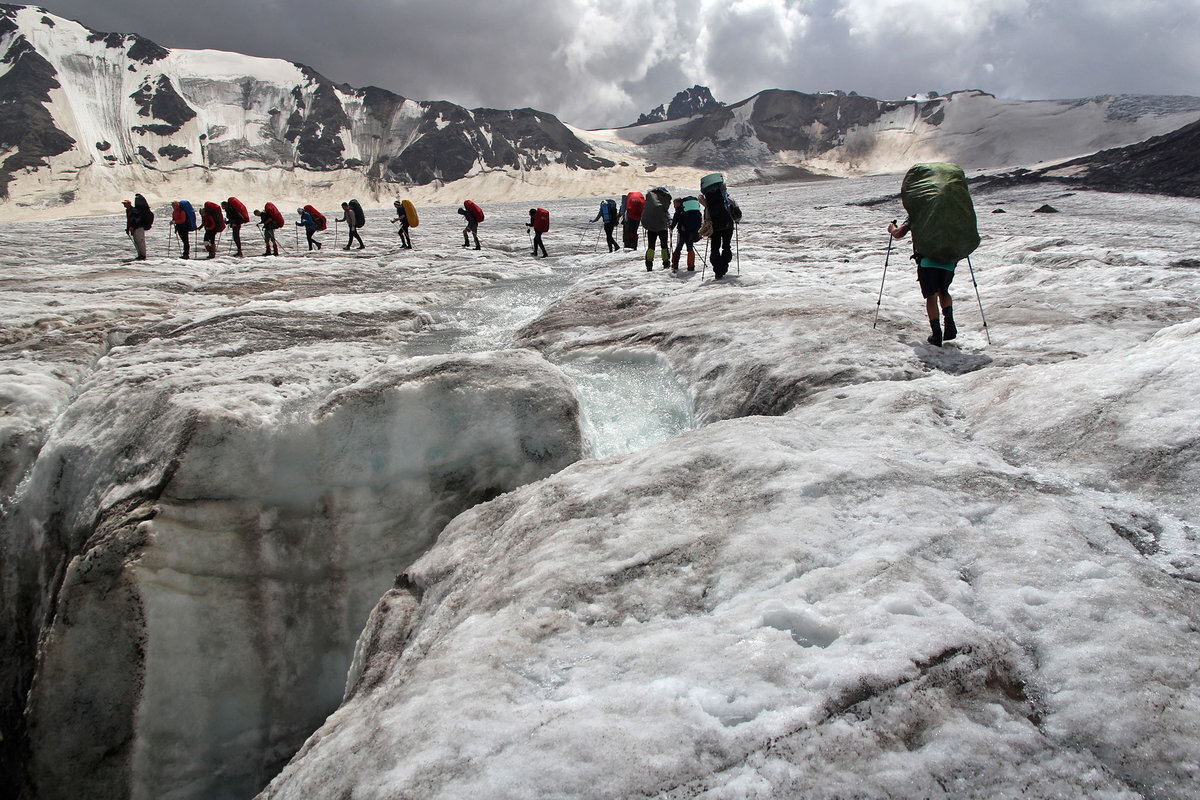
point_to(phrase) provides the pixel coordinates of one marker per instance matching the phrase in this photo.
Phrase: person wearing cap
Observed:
(135, 226)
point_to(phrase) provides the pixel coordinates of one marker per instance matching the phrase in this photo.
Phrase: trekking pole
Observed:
(981, 316)
(885, 265)
(704, 261)
(737, 247)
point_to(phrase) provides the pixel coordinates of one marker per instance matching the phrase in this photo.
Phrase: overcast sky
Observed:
(596, 63)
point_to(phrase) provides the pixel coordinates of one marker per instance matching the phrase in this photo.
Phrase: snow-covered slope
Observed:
(116, 113)
(776, 131)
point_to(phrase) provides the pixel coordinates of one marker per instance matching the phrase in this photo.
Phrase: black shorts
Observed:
(934, 280)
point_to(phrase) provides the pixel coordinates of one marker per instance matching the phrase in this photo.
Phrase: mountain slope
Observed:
(846, 134)
(1167, 164)
(109, 108)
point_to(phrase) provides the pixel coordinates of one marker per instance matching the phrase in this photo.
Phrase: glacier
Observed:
(391, 523)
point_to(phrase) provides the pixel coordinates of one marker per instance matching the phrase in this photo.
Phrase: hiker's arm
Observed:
(898, 231)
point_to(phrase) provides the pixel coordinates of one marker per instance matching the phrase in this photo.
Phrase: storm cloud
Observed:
(597, 64)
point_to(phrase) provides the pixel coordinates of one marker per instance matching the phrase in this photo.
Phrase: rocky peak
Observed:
(688, 103)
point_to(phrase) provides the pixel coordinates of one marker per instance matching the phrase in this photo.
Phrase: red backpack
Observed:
(317, 216)
(634, 203)
(214, 213)
(541, 220)
(240, 208)
(475, 210)
(269, 210)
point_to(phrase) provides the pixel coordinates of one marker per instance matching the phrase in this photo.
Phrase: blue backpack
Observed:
(608, 210)
(191, 214)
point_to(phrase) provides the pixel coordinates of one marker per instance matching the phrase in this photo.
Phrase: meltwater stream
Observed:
(630, 398)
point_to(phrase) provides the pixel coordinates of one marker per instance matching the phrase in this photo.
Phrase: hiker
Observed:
(539, 220)
(656, 219)
(268, 226)
(179, 219)
(236, 216)
(941, 218)
(138, 218)
(631, 213)
(609, 213)
(721, 215)
(934, 278)
(351, 221)
(402, 218)
(688, 218)
(310, 227)
(214, 223)
(473, 214)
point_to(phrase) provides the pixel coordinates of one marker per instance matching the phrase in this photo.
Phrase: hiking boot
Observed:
(476, 247)
(360, 247)
(951, 330)
(935, 338)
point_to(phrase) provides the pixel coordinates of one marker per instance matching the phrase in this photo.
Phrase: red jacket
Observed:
(178, 217)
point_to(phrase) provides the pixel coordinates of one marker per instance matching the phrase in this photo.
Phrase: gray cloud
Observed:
(596, 63)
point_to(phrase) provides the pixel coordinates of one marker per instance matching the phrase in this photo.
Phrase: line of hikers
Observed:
(232, 214)
(713, 215)
(941, 219)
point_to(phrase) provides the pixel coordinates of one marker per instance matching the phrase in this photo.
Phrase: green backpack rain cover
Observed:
(940, 213)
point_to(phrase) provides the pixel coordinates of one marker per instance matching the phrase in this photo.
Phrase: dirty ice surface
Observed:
(811, 556)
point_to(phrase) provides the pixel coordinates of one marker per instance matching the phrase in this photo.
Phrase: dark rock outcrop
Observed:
(27, 128)
(688, 103)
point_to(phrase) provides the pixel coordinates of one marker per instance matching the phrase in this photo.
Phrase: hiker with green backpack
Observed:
(942, 221)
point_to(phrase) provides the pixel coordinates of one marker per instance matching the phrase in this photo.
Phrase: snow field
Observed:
(878, 569)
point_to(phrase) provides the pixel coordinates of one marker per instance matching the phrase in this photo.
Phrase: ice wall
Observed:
(221, 469)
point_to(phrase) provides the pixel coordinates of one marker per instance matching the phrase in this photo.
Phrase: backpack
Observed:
(940, 213)
(634, 203)
(317, 216)
(610, 210)
(541, 220)
(145, 217)
(240, 208)
(716, 200)
(270, 212)
(214, 211)
(475, 210)
(190, 213)
(360, 219)
(693, 215)
(410, 213)
(656, 215)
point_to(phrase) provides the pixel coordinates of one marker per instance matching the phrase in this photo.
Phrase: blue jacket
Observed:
(306, 219)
